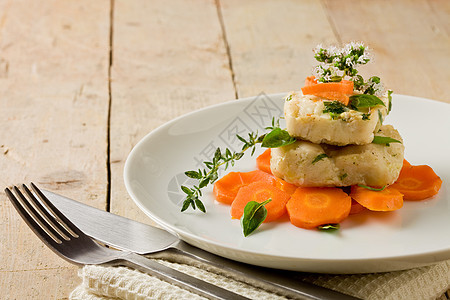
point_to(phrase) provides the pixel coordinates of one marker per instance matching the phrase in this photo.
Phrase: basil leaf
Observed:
(254, 214)
(384, 140)
(364, 100)
(277, 138)
(372, 188)
(319, 157)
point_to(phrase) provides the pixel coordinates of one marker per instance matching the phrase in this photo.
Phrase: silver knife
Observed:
(126, 234)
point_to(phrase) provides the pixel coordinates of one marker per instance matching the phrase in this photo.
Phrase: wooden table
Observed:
(81, 82)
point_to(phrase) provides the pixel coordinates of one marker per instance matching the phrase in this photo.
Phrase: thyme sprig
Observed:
(277, 137)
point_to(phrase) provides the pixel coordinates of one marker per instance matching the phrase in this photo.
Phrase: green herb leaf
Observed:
(186, 190)
(254, 214)
(277, 138)
(390, 100)
(319, 157)
(200, 205)
(186, 204)
(362, 100)
(328, 227)
(384, 140)
(372, 188)
(380, 117)
(193, 174)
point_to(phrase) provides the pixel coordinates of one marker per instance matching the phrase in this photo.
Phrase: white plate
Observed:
(416, 235)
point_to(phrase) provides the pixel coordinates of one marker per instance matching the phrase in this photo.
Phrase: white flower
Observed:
(379, 89)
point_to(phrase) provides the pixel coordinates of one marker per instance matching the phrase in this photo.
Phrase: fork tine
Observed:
(46, 214)
(70, 226)
(26, 211)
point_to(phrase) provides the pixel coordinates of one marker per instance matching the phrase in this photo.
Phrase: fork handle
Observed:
(175, 277)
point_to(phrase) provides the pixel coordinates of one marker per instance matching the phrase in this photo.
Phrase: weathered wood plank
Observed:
(271, 42)
(410, 41)
(165, 64)
(54, 103)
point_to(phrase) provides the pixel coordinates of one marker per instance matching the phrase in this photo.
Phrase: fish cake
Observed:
(306, 119)
(314, 165)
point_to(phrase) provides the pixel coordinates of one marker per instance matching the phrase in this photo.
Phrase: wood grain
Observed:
(53, 101)
(409, 39)
(271, 42)
(163, 66)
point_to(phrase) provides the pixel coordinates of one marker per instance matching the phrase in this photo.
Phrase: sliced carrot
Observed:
(388, 199)
(310, 80)
(226, 188)
(356, 208)
(339, 91)
(310, 207)
(263, 161)
(406, 164)
(417, 182)
(285, 186)
(260, 191)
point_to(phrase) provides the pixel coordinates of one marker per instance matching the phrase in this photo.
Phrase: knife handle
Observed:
(280, 281)
(175, 277)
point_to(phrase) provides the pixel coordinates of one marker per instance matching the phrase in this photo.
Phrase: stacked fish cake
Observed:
(341, 139)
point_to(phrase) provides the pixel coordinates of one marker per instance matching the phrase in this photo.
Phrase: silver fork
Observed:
(66, 240)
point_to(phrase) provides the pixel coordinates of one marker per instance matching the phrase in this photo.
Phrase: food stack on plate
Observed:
(338, 124)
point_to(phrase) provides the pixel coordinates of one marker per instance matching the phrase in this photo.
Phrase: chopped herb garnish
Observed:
(254, 214)
(384, 140)
(328, 227)
(319, 157)
(289, 98)
(366, 116)
(334, 108)
(372, 188)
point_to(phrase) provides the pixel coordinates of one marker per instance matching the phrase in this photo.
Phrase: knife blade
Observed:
(129, 235)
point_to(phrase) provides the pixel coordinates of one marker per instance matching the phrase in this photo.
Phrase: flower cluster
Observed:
(337, 63)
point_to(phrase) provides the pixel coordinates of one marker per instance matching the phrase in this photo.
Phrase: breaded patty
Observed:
(306, 119)
(308, 164)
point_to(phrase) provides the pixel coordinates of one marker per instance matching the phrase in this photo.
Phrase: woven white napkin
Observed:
(99, 283)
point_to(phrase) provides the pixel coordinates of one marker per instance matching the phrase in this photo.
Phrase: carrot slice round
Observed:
(388, 199)
(261, 191)
(310, 207)
(226, 188)
(417, 182)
